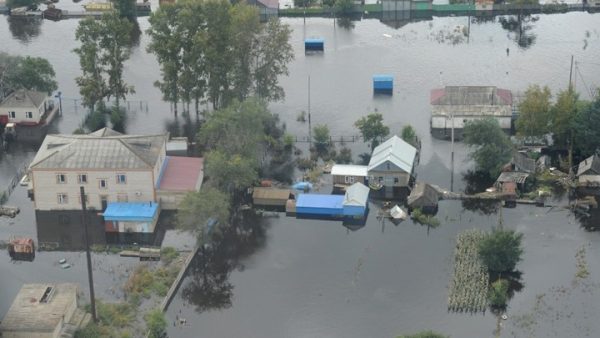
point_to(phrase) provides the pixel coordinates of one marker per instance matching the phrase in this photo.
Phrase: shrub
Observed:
(498, 293)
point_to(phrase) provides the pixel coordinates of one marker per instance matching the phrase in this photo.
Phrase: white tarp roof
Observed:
(349, 170)
(357, 195)
(395, 150)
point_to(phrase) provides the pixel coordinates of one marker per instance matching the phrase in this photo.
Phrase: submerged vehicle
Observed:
(21, 249)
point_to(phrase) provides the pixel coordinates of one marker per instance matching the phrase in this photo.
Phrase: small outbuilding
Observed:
(348, 174)
(320, 205)
(518, 178)
(314, 44)
(589, 166)
(356, 200)
(128, 217)
(424, 197)
(383, 84)
(271, 197)
(43, 311)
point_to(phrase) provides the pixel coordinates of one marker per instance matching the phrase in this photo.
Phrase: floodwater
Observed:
(301, 278)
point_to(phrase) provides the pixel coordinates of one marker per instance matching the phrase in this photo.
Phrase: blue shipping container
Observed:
(314, 44)
(383, 83)
(318, 204)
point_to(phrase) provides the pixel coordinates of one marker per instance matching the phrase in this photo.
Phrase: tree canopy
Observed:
(491, 147)
(197, 208)
(212, 50)
(32, 73)
(534, 109)
(372, 128)
(586, 125)
(409, 135)
(501, 250)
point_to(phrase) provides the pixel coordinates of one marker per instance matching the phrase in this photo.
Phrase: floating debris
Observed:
(62, 261)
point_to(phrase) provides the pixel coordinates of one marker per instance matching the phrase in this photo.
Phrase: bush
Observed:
(118, 118)
(95, 121)
(419, 217)
(168, 255)
(156, 323)
(498, 293)
(501, 250)
(344, 156)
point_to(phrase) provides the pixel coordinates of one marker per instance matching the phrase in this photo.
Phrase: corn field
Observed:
(469, 284)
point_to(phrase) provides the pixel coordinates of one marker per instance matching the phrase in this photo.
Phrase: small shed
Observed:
(320, 205)
(137, 217)
(348, 174)
(383, 84)
(273, 197)
(314, 44)
(516, 177)
(356, 200)
(589, 166)
(424, 196)
(509, 194)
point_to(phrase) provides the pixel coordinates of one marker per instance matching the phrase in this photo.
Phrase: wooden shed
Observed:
(425, 197)
(272, 197)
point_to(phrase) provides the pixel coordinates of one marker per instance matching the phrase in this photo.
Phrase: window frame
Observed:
(62, 198)
(100, 180)
(28, 115)
(119, 176)
(59, 180)
(12, 114)
(80, 181)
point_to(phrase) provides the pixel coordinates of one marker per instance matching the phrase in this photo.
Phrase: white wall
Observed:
(442, 122)
(139, 187)
(20, 114)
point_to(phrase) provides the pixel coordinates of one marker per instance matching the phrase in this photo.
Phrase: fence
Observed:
(4, 195)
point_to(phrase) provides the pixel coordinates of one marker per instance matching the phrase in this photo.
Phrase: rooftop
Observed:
(182, 174)
(37, 310)
(271, 193)
(423, 195)
(102, 149)
(130, 211)
(471, 96)
(349, 170)
(512, 176)
(24, 99)
(395, 150)
(589, 166)
(357, 195)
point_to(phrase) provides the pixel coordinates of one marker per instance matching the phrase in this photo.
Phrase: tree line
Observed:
(213, 51)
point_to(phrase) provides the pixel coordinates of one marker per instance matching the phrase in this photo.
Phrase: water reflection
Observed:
(24, 28)
(589, 220)
(476, 182)
(209, 287)
(520, 28)
(345, 22)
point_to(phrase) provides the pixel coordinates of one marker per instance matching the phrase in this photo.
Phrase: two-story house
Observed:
(127, 179)
(391, 167)
(31, 112)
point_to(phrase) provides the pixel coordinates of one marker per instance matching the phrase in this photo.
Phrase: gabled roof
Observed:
(103, 149)
(589, 166)
(349, 170)
(395, 150)
(423, 195)
(471, 95)
(357, 195)
(24, 99)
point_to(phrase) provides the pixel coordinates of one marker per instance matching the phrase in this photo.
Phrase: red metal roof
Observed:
(436, 94)
(182, 173)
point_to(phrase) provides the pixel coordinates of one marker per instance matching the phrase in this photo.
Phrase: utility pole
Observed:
(571, 73)
(87, 252)
(452, 156)
(309, 124)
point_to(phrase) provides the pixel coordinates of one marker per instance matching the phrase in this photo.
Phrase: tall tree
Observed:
(218, 51)
(92, 86)
(491, 147)
(587, 127)
(501, 250)
(274, 53)
(372, 129)
(563, 116)
(197, 208)
(534, 110)
(230, 172)
(35, 73)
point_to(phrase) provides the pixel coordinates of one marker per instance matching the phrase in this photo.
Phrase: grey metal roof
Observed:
(28, 314)
(103, 149)
(357, 195)
(523, 162)
(512, 176)
(24, 99)
(471, 95)
(423, 195)
(589, 166)
(395, 150)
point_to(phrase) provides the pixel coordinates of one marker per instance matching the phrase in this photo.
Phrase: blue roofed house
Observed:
(391, 168)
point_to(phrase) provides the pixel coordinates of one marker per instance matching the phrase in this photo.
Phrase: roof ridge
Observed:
(130, 148)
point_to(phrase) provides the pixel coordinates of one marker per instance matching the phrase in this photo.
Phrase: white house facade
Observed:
(26, 107)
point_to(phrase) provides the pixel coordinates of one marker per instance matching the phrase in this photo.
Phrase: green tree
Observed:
(92, 86)
(197, 208)
(587, 127)
(230, 172)
(33, 4)
(498, 293)
(491, 147)
(344, 156)
(35, 73)
(321, 138)
(534, 109)
(563, 117)
(409, 135)
(217, 51)
(156, 323)
(424, 334)
(344, 7)
(115, 50)
(372, 128)
(501, 250)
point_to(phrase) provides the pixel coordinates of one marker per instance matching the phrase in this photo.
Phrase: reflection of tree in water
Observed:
(515, 284)
(589, 220)
(476, 182)
(136, 33)
(520, 28)
(345, 22)
(24, 29)
(209, 287)
(187, 127)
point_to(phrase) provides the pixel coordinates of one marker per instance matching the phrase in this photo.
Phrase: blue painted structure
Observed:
(383, 84)
(315, 44)
(318, 204)
(131, 211)
(302, 186)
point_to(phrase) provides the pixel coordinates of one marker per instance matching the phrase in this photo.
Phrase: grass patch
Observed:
(145, 282)
(469, 284)
(419, 217)
(582, 268)
(114, 320)
(168, 255)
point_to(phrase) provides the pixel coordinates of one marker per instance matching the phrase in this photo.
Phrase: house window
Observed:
(380, 179)
(12, 114)
(395, 180)
(61, 178)
(121, 179)
(29, 115)
(102, 184)
(122, 198)
(62, 198)
(82, 179)
(349, 179)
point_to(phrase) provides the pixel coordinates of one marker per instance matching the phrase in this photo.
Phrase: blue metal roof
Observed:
(383, 77)
(320, 201)
(131, 211)
(314, 40)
